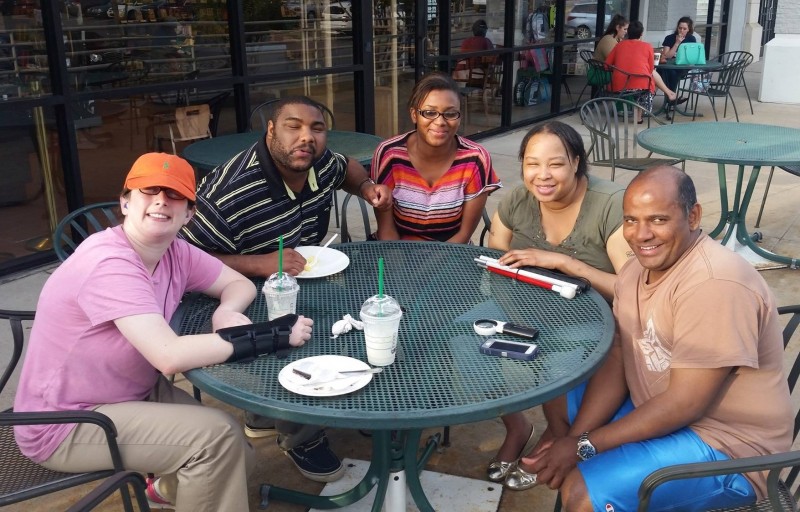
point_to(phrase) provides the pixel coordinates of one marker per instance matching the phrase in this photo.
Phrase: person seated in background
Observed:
(478, 42)
(616, 32)
(439, 181)
(635, 57)
(560, 218)
(695, 372)
(683, 34)
(283, 185)
(101, 341)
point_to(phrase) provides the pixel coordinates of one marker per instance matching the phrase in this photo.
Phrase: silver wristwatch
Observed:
(586, 449)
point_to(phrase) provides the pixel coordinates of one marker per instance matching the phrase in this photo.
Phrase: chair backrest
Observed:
(15, 319)
(365, 218)
(745, 58)
(725, 78)
(611, 127)
(586, 55)
(794, 372)
(22, 479)
(193, 122)
(262, 113)
(76, 226)
(487, 226)
(629, 78)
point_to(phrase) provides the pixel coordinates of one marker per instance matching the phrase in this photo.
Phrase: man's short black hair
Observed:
(278, 106)
(479, 28)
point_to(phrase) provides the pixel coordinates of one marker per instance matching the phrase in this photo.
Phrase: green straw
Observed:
(280, 256)
(380, 278)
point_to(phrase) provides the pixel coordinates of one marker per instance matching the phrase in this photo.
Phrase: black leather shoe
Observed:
(681, 101)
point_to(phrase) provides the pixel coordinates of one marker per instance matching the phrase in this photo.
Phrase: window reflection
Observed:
(117, 44)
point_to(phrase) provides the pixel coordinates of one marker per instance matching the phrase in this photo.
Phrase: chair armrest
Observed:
(110, 485)
(774, 463)
(11, 418)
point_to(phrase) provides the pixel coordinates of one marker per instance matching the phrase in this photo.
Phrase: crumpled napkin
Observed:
(346, 324)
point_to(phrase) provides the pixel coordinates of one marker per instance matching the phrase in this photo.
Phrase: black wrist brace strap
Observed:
(251, 341)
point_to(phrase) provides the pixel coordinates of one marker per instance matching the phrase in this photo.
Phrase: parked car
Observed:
(293, 8)
(337, 17)
(582, 19)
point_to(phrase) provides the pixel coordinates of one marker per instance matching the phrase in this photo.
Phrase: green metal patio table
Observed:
(740, 144)
(439, 377)
(708, 67)
(206, 154)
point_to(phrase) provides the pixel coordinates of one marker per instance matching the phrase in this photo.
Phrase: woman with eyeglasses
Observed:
(439, 180)
(101, 341)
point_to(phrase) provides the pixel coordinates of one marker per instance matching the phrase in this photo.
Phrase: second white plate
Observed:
(328, 261)
(329, 364)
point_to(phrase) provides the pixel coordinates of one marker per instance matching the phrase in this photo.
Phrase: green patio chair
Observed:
(77, 225)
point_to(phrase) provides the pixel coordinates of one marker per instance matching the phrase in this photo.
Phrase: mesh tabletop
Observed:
(439, 376)
(209, 153)
(725, 143)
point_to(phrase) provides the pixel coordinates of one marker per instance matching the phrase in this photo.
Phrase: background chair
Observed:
(780, 496)
(187, 125)
(215, 104)
(612, 130)
(790, 169)
(745, 59)
(76, 226)
(719, 87)
(597, 76)
(487, 226)
(364, 208)
(22, 479)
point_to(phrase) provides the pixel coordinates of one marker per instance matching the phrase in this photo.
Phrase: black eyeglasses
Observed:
(154, 191)
(450, 115)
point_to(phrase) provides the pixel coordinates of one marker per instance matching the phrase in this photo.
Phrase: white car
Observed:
(582, 19)
(337, 17)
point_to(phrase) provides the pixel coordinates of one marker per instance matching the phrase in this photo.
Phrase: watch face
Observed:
(586, 451)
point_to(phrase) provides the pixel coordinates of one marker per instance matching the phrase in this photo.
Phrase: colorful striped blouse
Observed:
(432, 212)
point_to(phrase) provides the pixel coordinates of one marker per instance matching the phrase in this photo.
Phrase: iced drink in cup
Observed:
(381, 315)
(280, 291)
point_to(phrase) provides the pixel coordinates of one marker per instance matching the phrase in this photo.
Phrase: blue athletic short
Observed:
(613, 477)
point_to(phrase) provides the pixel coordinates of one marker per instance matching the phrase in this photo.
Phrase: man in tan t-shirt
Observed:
(695, 373)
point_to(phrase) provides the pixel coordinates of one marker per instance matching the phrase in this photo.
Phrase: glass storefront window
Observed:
(298, 35)
(120, 44)
(334, 91)
(23, 59)
(31, 182)
(580, 20)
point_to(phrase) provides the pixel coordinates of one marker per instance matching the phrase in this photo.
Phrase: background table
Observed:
(740, 144)
(439, 378)
(209, 153)
(684, 69)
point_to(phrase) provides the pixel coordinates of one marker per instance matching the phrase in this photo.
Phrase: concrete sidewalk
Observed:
(474, 445)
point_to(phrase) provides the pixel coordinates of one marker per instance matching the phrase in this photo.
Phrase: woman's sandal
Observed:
(498, 470)
(519, 480)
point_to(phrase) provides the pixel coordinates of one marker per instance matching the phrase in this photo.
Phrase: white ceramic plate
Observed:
(324, 367)
(328, 261)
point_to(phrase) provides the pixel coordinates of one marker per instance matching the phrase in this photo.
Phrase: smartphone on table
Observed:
(510, 349)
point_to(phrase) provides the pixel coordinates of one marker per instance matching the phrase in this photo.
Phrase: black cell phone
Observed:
(510, 349)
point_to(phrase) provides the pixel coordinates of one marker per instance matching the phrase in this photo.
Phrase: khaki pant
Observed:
(200, 452)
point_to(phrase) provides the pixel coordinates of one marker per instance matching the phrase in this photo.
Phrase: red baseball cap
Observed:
(162, 170)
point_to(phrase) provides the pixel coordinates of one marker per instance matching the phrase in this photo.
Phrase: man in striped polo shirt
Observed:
(282, 185)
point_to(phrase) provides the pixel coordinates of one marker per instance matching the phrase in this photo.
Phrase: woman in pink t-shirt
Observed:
(101, 341)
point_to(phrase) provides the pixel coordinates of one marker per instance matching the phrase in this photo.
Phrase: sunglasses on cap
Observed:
(154, 191)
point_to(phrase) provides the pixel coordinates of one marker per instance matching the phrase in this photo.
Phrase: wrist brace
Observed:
(253, 340)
